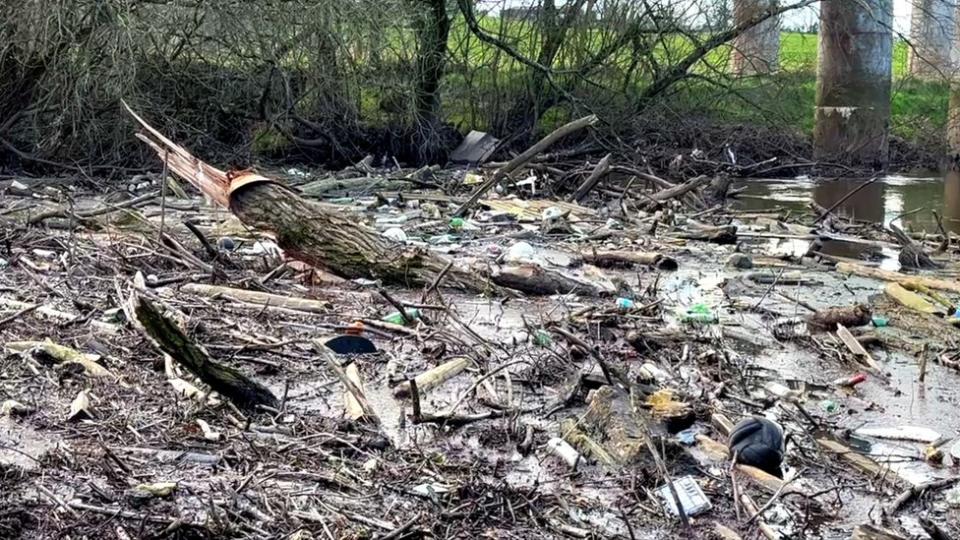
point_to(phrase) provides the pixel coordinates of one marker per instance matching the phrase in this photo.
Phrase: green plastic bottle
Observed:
(700, 313)
(397, 318)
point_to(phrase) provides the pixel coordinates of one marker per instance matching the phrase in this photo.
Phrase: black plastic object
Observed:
(758, 442)
(351, 345)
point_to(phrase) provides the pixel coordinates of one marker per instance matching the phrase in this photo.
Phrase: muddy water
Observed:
(880, 202)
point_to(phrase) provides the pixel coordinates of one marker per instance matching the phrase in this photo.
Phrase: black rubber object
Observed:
(351, 345)
(758, 442)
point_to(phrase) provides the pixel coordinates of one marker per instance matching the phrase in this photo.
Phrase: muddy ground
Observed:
(141, 460)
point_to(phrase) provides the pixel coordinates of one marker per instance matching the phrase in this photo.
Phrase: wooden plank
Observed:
(857, 349)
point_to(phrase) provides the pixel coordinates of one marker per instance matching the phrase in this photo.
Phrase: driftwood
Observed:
(860, 462)
(321, 187)
(537, 280)
(314, 234)
(433, 377)
(911, 253)
(856, 348)
(523, 159)
(726, 234)
(229, 382)
(598, 173)
(674, 192)
(257, 297)
(630, 258)
(826, 320)
(355, 400)
(910, 282)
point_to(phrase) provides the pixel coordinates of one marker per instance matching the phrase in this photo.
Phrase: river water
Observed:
(879, 202)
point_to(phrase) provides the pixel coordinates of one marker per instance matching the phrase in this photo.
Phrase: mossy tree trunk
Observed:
(334, 240)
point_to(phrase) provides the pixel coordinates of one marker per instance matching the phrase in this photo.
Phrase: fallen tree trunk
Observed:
(311, 233)
(630, 258)
(227, 381)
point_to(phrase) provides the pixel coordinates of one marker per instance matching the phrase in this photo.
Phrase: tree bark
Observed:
(432, 29)
(324, 238)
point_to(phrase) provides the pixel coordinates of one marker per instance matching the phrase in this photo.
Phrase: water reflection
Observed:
(880, 202)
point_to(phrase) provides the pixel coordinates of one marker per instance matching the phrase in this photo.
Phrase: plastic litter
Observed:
(687, 437)
(542, 338)
(564, 451)
(700, 313)
(397, 318)
(829, 406)
(879, 321)
(351, 345)
(692, 498)
(625, 304)
(456, 223)
(850, 382)
(396, 234)
(519, 252)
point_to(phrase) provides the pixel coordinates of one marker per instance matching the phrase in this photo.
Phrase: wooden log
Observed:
(537, 280)
(912, 300)
(868, 531)
(47, 352)
(751, 507)
(315, 234)
(896, 277)
(718, 235)
(856, 348)
(673, 192)
(580, 440)
(598, 172)
(257, 297)
(361, 406)
(850, 316)
(628, 258)
(433, 377)
(319, 188)
(860, 462)
(353, 407)
(227, 381)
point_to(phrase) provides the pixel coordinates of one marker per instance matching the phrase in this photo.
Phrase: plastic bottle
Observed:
(542, 338)
(397, 318)
(700, 313)
(625, 304)
(456, 223)
(850, 382)
(829, 406)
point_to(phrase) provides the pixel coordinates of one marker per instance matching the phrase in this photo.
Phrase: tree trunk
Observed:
(757, 50)
(953, 124)
(932, 34)
(432, 29)
(335, 241)
(432, 26)
(852, 111)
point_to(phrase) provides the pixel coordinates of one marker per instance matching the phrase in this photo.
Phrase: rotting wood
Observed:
(49, 352)
(606, 258)
(826, 320)
(53, 313)
(225, 380)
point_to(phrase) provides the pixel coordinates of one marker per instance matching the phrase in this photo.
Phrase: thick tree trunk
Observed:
(757, 50)
(932, 34)
(335, 241)
(432, 28)
(852, 111)
(953, 123)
